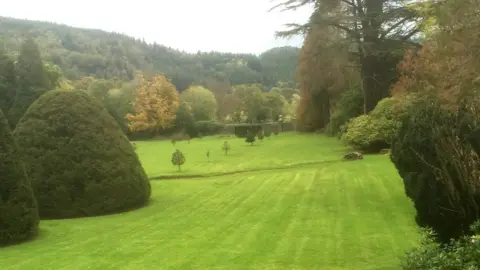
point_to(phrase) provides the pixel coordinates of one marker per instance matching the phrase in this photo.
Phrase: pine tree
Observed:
(32, 81)
(7, 81)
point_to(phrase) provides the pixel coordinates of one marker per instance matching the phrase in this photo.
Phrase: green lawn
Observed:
(342, 215)
(277, 151)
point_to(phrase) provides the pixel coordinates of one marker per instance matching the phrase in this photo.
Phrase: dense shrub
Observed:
(349, 105)
(18, 207)
(439, 168)
(375, 131)
(80, 162)
(209, 127)
(462, 254)
(185, 121)
(370, 134)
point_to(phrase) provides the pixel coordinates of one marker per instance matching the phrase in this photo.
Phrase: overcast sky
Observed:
(221, 25)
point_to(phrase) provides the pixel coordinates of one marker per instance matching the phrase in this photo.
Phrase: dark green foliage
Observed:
(8, 84)
(349, 105)
(18, 208)
(32, 81)
(226, 147)
(80, 162)
(207, 128)
(439, 168)
(250, 138)
(279, 64)
(242, 130)
(185, 120)
(178, 159)
(462, 254)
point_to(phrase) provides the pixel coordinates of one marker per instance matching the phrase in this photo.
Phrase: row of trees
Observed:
(158, 107)
(149, 103)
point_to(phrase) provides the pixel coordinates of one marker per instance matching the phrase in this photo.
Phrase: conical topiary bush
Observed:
(79, 161)
(18, 208)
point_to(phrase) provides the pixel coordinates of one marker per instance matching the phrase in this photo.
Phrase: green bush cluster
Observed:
(439, 168)
(462, 254)
(18, 208)
(79, 160)
(349, 105)
(374, 131)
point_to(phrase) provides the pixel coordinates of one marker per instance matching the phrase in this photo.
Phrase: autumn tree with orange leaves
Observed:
(323, 72)
(447, 66)
(155, 106)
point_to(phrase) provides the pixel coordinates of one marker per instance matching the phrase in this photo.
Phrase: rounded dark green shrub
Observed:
(439, 168)
(18, 208)
(79, 161)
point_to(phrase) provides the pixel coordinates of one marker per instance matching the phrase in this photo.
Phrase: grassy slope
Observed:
(277, 151)
(351, 215)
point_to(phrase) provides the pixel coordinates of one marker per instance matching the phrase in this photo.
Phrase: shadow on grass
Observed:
(208, 175)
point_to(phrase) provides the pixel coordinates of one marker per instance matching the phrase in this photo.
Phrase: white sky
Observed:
(243, 26)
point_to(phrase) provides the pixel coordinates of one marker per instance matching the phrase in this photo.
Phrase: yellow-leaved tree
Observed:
(155, 105)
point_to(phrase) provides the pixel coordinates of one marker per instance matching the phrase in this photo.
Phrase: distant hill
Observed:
(87, 52)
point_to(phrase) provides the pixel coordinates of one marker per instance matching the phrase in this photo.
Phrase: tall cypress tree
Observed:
(32, 80)
(7, 81)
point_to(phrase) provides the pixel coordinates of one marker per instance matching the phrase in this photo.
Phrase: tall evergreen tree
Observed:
(7, 81)
(32, 81)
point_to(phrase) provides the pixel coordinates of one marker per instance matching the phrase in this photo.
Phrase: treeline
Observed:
(150, 105)
(84, 52)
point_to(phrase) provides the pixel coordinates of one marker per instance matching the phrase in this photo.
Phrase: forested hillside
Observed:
(86, 52)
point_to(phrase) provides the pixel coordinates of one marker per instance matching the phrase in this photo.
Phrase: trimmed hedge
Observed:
(206, 128)
(241, 130)
(18, 208)
(79, 160)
